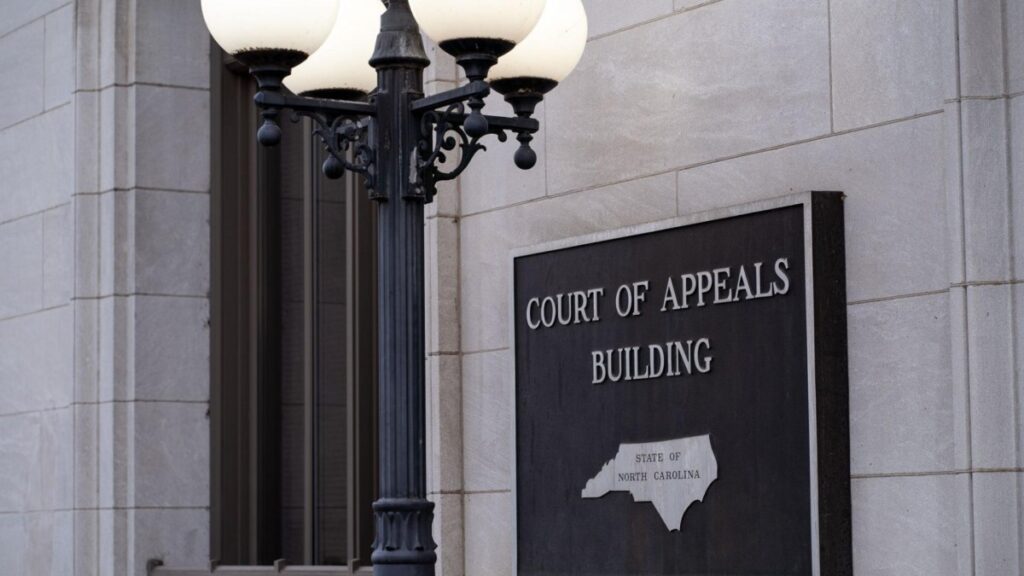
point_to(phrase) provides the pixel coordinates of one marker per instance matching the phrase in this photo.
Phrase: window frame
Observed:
(245, 378)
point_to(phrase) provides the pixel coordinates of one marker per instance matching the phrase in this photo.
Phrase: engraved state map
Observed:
(672, 475)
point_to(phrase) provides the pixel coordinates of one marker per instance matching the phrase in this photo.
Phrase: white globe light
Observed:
(244, 27)
(342, 64)
(554, 47)
(507, 21)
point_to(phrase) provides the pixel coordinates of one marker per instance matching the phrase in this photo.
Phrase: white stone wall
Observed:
(104, 280)
(141, 308)
(913, 108)
(444, 366)
(36, 383)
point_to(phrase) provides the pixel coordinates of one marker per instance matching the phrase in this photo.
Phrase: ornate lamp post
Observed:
(366, 101)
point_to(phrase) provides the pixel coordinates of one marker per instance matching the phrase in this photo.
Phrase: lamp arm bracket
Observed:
(281, 100)
(442, 132)
(343, 127)
(475, 89)
(346, 139)
(517, 124)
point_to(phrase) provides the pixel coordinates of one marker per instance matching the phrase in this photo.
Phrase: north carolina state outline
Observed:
(671, 474)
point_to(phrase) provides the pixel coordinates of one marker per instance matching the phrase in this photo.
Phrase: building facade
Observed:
(117, 146)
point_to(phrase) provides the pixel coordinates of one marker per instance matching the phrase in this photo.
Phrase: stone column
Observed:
(141, 312)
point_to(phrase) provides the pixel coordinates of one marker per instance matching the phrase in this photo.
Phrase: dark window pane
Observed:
(332, 422)
(290, 189)
(293, 419)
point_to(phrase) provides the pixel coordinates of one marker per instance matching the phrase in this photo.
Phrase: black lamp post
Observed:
(396, 138)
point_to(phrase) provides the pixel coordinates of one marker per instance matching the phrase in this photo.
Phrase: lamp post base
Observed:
(405, 539)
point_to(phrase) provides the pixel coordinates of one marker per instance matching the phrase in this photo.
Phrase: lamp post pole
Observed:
(404, 545)
(400, 141)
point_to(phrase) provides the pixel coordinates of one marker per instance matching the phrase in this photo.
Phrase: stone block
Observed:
(115, 441)
(448, 534)
(901, 391)
(60, 56)
(442, 65)
(487, 421)
(87, 33)
(17, 13)
(1018, 307)
(117, 151)
(493, 180)
(13, 542)
(36, 361)
(1017, 160)
(444, 424)
(962, 504)
(114, 43)
(37, 470)
(981, 48)
(114, 538)
(23, 88)
(950, 42)
(87, 150)
(996, 523)
(21, 259)
(63, 552)
(172, 138)
(171, 348)
(179, 537)
(487, 239)
(58, 267)
(905, 525)
(442, 270)
(86, 245)
(887, 60)
(954, 193)
(490, 533)
(37, 543)
(729, 78)
(1015, 46)
(960, 373)
(36, 163)
(172, 44)
(172, 243)
(170, 454)
(62, 424)
(48, 537)
(86, 349)
(895, 200)
(990, 346)
(606, 16)
(447, 200)
(986, 190)
(86, 541)
(87, 459)
(116, 242)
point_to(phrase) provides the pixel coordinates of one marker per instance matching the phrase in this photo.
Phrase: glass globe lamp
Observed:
(477, 32)
(280, 33)
(340, 69)
(546, 57)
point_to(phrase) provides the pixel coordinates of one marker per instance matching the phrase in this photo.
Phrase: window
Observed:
(293, 403)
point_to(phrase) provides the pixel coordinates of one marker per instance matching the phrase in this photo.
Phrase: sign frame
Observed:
(827, 362)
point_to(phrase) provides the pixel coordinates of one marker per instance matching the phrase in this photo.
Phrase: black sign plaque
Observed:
(681, 397)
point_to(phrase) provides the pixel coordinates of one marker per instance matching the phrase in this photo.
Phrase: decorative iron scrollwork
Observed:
(343, 137)
(443, 132)
(449, 122)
